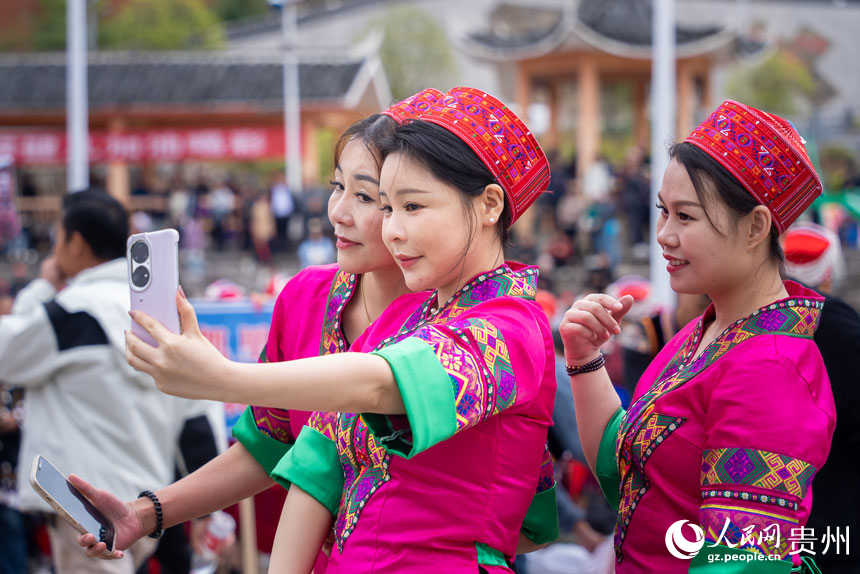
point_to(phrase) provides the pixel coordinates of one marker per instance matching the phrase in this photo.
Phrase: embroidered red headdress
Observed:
(502, 141)
(413, 105)
(765, 153)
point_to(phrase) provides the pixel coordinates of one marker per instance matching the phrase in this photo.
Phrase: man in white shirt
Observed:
(86, 409)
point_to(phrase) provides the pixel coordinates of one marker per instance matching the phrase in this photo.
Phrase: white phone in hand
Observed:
(153, 278)
(69, 503)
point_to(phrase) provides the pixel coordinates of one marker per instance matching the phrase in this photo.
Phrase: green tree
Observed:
(161, 25)
(49, 25)
(773, 85)
(415, 51)
(240, 9)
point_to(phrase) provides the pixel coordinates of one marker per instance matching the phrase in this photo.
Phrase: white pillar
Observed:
(77, 128)
(292, 102)
(662, 132)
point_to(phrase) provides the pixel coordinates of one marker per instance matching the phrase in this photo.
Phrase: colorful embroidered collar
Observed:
(797, 315)
(342, 288)
(500, 282)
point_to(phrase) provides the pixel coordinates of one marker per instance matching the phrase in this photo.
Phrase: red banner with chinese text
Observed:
(212, 144)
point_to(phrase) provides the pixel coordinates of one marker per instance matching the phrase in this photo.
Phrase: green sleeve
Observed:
(607, 464)
(541, 522)
(265, 449)
(724, 560)
(314, 465)
(428, 396)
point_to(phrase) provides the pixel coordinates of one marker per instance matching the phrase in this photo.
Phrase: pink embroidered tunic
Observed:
(729, 441)
(306, 322)
(447, 486)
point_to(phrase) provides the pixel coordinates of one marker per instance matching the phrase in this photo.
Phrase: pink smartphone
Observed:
(153, 278)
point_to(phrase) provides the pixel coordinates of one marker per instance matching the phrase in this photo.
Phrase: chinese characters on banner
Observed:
(49, 147)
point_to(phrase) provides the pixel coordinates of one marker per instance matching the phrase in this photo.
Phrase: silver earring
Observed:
(492, 220)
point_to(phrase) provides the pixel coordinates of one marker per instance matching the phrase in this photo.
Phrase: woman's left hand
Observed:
(185, 365)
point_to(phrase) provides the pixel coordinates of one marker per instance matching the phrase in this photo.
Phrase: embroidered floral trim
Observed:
(751, 497)
(758, 468)
(365, 465)
(342, 288)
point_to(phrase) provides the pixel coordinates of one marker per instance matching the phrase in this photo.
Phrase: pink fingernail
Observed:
(182, 292)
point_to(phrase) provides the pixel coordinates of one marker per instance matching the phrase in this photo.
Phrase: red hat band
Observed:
(414, 105)
(766, 155)
(500, 139)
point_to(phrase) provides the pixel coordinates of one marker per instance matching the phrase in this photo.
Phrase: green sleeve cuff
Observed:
(314, 466)
(541, 522)
(266, 450)
(488, 556)
(607, 465)
(427, 394)
(724, 560)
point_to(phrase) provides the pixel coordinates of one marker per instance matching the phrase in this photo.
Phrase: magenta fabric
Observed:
(736, 433)
(426, 513)
(295, 332)
(306, 322)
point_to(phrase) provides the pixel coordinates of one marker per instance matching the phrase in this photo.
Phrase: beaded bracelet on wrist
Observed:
(159, 516)
(588, 367)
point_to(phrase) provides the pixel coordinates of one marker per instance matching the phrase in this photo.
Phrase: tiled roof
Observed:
(141, 80)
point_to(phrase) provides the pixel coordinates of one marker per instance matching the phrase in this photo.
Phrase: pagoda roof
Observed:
(618, 27)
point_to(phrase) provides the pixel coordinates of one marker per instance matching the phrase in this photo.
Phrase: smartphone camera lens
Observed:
(140, 277)
(139, 252)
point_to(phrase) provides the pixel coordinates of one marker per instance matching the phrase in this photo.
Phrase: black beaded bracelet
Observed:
(587, 367)
(159, 517)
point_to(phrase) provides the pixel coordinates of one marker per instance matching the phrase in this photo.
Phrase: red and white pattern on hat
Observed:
(414, 105)
(501, 139)
(766, 155)
(813, 254)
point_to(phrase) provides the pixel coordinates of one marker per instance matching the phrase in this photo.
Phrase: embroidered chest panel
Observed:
(365, 462)
(365, 468)
(643, 429)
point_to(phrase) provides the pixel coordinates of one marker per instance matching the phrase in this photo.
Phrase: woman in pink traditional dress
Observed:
(438, 471)
(731, 420)
(321, 311)
(472, 386)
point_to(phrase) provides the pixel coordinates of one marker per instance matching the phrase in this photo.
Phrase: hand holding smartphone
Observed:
(153, 277)
(69, 503)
